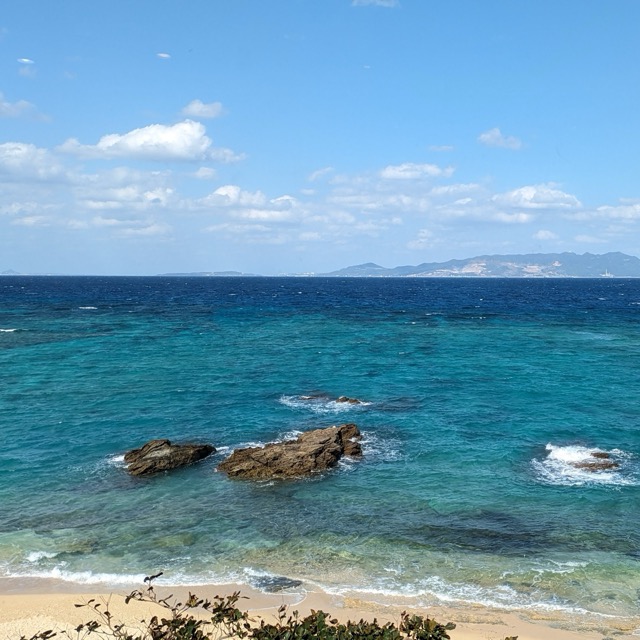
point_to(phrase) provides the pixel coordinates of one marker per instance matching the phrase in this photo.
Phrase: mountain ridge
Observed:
(531, 265)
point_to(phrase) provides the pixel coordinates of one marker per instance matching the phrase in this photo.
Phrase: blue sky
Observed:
(297, 136)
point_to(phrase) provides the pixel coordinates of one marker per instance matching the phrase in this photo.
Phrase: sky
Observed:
(303, 136)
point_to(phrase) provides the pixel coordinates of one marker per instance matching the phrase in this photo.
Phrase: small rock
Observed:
(161, 455)
(347, 400)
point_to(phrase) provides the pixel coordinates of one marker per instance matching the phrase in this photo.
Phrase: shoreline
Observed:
(32, 605)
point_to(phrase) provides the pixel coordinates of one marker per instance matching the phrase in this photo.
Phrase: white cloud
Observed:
(621, 212)
(545, 234)
(205, 173)
(454, 190)
(184, 141)
(163, 56)
(512, 218)
(15, 109)
(132, 197)
(27, 162)
(151, 230)
(226, 156)
(266, 215)
(495, 138)
(411, 171)
(541, 196)
(231, 195)
(26, 61)
(199, 109)
(32, 221)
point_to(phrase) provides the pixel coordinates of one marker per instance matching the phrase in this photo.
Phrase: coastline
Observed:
(29, 606)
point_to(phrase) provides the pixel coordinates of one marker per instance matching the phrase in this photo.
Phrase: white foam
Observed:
(88, 308)
(560, 467)
(7, 330)
(36, 556)
(80, 577)
(320, 404)
(380, 449)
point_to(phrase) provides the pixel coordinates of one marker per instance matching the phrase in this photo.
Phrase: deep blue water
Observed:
(480, 396)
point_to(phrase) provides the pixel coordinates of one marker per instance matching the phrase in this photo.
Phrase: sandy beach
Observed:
(28, 607)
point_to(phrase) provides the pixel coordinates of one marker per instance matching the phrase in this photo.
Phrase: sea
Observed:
(486, 405)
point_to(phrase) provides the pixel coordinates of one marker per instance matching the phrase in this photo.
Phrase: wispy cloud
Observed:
(545, 234)
(26, 61)
(16, 109)
(163, 56)
(495, 138)
(411, 171)
(199, 109)
(320, 173)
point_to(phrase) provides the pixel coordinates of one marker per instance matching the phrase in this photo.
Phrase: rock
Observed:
(346, 400)
(161, 455)
(310, 453)
(275, 584)
(600, 465)
(603, 455)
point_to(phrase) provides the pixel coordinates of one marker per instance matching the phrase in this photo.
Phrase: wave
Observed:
(321, 404)
(88, 308)
(575, 465)
(8, 330)
(436, 591)
(77, 577)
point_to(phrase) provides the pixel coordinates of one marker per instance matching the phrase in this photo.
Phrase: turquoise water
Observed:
(479, 395)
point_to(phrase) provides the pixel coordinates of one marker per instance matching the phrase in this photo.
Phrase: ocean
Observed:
(479, 398)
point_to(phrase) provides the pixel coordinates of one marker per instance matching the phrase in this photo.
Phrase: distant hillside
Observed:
(533, 265)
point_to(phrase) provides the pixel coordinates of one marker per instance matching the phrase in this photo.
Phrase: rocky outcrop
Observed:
(347, 400)
(602, 462)
(310, 453)
(599, 465)
(161, 455)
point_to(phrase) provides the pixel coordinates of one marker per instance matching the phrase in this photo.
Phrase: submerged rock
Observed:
(310, 453)
(161, 455)
(273, 584)
(347, 400)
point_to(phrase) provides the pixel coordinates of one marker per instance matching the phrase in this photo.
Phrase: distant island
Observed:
(532, 265)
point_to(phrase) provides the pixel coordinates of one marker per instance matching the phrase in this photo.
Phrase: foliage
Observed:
(226, 620)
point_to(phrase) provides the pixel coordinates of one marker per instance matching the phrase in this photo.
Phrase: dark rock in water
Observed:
(600, 465)
(603, 455)
(275, 584)
(347, 400)
(161, 455)
(311, 452)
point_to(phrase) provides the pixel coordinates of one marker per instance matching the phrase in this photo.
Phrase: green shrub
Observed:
(226, 620)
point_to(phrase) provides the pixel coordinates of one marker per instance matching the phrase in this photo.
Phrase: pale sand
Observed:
(33, 606)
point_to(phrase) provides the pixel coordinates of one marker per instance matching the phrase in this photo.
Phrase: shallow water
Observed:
(480, 396)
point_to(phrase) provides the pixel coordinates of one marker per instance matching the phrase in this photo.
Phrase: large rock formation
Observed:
(161, 455)
(311, 452)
